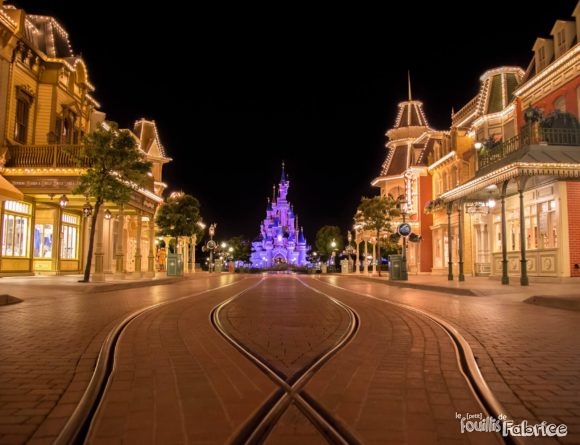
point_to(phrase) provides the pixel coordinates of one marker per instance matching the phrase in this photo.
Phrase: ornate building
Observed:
(280, 240)
(46, 107)
(411, 145)
(518, 142)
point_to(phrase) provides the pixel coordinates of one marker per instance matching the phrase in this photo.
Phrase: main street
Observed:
(281, 358)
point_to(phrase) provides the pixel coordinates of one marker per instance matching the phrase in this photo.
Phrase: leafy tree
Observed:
(375, 214)
(323, 241)
(179, 216)
(241, 248)
(116, 169)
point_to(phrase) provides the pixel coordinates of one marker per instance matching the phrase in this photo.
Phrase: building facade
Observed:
(508, 211)
(411, 145)
(280, 241)
(46, 107)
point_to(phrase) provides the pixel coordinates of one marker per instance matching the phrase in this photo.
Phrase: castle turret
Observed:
(279, 241)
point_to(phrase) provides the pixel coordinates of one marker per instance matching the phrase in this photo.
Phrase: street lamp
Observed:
(404, 230)
(333, 255)
(211, 245)
(349, 249)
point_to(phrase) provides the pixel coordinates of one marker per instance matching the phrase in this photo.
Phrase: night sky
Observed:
(237, 91)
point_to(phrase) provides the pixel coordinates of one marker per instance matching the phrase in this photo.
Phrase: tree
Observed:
(241, 248)
(179, 216)
(375, 214)
(116, 169)
(323, 241)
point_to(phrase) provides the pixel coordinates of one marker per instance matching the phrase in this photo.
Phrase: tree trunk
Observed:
(87, 274)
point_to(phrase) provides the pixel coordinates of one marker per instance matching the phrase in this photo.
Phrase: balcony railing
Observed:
(529, 135)
(55, 156)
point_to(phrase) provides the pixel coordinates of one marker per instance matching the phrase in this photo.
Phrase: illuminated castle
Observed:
(280, 241)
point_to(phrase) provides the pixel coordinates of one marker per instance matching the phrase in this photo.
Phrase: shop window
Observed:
(69, 237)
(43, 240)
(15, 225)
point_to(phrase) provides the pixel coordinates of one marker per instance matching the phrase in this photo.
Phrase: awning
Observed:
(8, 191)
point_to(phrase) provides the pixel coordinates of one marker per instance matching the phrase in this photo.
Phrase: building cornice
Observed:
(511, 171)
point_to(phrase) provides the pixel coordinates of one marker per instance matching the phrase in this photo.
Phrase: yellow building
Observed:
(46, 107)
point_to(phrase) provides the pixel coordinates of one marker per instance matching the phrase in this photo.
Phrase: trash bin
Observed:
(175, 264)
(344, 266)
(323, 268)
(395, 262)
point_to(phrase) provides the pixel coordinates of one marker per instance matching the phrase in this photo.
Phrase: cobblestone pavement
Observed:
(524, 338)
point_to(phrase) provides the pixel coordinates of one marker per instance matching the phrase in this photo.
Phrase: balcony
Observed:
(492, 156)
(45, 156)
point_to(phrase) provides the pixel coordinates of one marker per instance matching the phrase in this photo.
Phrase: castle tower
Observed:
(279, 241)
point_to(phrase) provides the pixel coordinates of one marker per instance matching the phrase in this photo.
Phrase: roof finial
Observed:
(409, 83)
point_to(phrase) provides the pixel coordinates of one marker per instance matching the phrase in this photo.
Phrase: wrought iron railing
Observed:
(56, 156)
(530, 135)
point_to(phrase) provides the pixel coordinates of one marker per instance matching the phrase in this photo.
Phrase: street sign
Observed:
(404, 229)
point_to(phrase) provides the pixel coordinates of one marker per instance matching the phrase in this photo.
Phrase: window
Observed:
(23, 103)
(22, 111)
(15, 225)
(541, 227)
(561, 40)
(542, 57)
(43, 240)
(69, 232)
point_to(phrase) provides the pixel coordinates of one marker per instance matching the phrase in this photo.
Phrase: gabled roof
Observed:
(48, 36)
(496, 92)
(149, 142)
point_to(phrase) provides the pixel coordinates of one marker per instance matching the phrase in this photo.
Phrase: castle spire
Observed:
(283, 179)
(409, 84)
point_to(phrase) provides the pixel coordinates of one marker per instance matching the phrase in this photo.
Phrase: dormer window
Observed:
(561, 40)
(542, 56)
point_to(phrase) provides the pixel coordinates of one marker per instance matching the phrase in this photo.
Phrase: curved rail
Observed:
(465, 359)
(257, 429)
(78, 425)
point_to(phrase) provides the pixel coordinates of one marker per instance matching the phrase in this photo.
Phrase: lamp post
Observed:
(333, 245)
(211, 245)
(349, 248)
(404, 231)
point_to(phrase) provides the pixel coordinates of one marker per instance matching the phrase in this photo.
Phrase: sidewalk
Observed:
(562, 293)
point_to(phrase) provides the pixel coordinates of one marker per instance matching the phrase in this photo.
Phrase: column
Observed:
(366, 269)
(504, 261)
(119, 255)
(193, 244)
(151, 258)
(357, 262)
(461, 276)
(523, 261)
(449, 243)
(137, 272)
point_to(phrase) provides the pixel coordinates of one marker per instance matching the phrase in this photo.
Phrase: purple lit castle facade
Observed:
(280, 240)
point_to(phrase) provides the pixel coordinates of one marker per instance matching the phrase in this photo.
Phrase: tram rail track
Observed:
(291, 389)
(78, 426)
